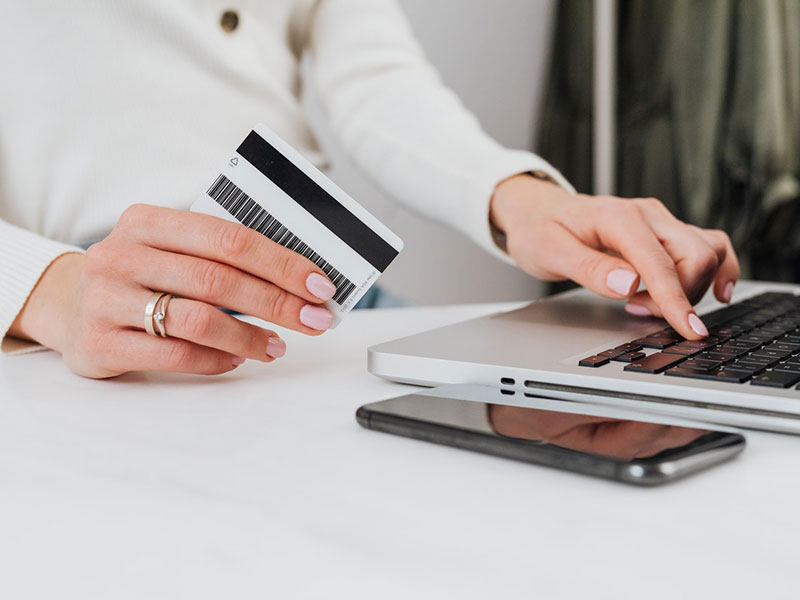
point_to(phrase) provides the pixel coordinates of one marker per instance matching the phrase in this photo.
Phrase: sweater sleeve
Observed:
(24, 256)
(408, 132)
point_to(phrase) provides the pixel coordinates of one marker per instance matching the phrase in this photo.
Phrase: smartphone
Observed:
(606, 442)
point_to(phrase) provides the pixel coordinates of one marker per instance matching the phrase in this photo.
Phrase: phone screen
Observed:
(585, 442)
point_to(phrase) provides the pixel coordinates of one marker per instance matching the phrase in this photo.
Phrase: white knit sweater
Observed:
(107, 103)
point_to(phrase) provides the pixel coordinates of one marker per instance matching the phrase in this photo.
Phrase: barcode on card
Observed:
(230, 197)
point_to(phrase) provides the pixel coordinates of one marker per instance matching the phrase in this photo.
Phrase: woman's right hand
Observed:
(91, 307)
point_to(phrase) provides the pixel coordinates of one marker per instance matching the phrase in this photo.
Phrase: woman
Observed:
(113, 113)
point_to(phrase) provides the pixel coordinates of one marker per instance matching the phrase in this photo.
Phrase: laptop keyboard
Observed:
(756, 340)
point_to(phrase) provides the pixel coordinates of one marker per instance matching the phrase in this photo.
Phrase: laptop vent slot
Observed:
(507, 381)
(508, 392)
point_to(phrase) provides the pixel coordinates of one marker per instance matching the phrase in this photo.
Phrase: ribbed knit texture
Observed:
(103, 104)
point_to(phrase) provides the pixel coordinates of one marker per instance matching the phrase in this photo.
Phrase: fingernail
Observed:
(276, 347)
(697, 325)
(316, 317)
(727, 294)
(620, 281)
(237, 360)
(320, 286)
(638, 310)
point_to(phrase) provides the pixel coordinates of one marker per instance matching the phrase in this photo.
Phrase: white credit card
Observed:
(268, 186)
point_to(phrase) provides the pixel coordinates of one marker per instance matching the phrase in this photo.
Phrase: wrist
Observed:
(46, 313)
(516, 194)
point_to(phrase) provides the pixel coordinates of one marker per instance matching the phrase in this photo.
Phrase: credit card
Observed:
(268, 186)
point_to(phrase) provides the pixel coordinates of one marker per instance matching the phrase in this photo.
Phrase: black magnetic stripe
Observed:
(324, 207)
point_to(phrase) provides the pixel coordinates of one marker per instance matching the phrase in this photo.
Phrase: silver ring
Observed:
(149, 309)
(160, 315)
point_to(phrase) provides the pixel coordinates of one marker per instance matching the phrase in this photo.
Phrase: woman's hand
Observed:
(607, 244)
(91, 307)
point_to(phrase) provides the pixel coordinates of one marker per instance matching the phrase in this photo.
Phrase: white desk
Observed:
(260, 484)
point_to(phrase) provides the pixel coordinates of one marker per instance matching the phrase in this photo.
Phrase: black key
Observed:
(792, 368)
(769, 353)
(768, 332)
(753, 339)
(780, 345)
(731, 375)
(630, 347)
(780, 379)
(655, 363)
(630, 357)
(745, 370)
(654, 342)
(759, 360)
(694, 344)
(713, 375)
(725, 351)
(724, 315)
(746, 366)
(708, 342)
(738, 344)
(722, 357)
(667, 332)
(732, 350)
(612, 354)
(725, 331)
(685, 348)
(701, 365)
(594, 361)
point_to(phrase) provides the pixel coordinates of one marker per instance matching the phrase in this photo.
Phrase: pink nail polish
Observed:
(697, 325)
(276, 347)
(620, 281)
(237, 360)
(638, 310)
(727, 294)
(320, 286)
(316, 317)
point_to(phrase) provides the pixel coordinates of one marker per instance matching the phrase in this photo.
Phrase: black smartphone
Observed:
(591, 439)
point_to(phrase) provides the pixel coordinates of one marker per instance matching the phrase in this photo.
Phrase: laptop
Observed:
(581, 347)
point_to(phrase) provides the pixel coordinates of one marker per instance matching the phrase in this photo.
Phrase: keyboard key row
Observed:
(757, 339)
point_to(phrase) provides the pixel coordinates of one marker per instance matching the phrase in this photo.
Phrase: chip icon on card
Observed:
(268, 186)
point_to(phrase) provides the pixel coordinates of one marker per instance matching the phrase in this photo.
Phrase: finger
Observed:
(203, 324)
(642, 305)
(632, 237)
(143, 352)
(230, 243)
(696, 260)
(208, 326)
(729, 270)
(219, 284)
(562, 255)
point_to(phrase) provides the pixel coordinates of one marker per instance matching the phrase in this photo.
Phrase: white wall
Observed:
(494, 54)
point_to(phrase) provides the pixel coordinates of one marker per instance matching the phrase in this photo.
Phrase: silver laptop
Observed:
(578, 346)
